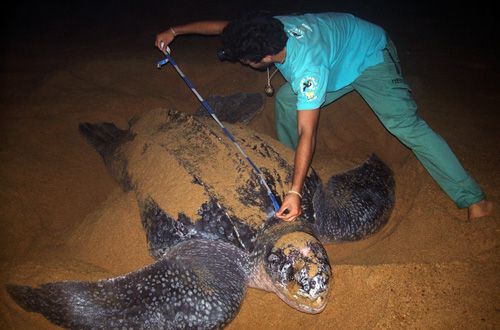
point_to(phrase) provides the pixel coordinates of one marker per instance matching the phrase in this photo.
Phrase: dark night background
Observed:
(30, 25)
(85, 29)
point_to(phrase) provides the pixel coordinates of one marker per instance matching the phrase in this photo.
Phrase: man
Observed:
(323, 57)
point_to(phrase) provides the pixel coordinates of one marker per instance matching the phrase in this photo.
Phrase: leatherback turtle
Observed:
(210, 226)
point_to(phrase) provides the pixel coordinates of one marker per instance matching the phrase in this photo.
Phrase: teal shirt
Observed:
(326, 52)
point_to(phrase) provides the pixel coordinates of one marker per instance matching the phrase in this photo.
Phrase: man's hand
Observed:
(163, 39)
(290, 209)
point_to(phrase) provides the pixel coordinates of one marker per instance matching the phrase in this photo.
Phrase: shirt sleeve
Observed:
(310, 87)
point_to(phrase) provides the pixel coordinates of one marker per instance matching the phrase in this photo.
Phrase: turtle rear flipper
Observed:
(106, 138)
(199, 284)
(235, 108)
(354, 204)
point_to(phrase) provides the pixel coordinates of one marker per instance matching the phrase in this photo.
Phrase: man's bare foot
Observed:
(480, 209)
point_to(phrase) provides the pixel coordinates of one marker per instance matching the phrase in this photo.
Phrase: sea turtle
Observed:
(210, 225)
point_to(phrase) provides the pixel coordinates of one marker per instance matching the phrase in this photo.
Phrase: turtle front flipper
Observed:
(199, 284)
(235, 108)
(354, 204)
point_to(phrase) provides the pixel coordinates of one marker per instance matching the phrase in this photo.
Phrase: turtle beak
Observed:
(301, 273)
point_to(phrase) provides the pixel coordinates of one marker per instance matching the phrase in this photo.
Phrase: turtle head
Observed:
(298, 267)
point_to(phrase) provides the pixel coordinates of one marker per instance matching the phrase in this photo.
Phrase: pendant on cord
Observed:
(269, 90)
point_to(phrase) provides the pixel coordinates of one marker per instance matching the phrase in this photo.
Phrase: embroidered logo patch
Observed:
(308, 87)
(296, 32)
(299, 31)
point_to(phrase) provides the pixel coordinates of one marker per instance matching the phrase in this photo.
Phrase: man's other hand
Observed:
(290, 209)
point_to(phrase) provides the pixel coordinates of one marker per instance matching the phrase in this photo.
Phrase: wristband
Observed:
(173, 32)
(294, 192)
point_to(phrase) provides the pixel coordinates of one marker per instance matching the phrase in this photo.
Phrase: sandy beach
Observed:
(62, 217)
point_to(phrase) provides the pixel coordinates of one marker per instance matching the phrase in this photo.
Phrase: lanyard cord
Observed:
(271, 76)
(269, 90)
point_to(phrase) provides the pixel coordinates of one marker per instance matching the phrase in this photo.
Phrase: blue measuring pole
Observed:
(207, 106)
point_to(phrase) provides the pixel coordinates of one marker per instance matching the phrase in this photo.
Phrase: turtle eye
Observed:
(286, 272)
(302, 278)
(281, 266)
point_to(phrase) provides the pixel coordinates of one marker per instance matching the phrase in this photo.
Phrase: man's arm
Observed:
(163, 39)
(307, 123)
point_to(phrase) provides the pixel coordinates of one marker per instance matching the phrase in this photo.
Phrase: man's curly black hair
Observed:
(252, 37)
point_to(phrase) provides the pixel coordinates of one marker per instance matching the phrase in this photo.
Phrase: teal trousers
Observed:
(384, 89)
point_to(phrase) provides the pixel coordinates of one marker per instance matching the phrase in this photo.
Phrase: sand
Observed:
(63, 217)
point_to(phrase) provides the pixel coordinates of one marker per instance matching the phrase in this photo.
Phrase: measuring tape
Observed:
(169, 59)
